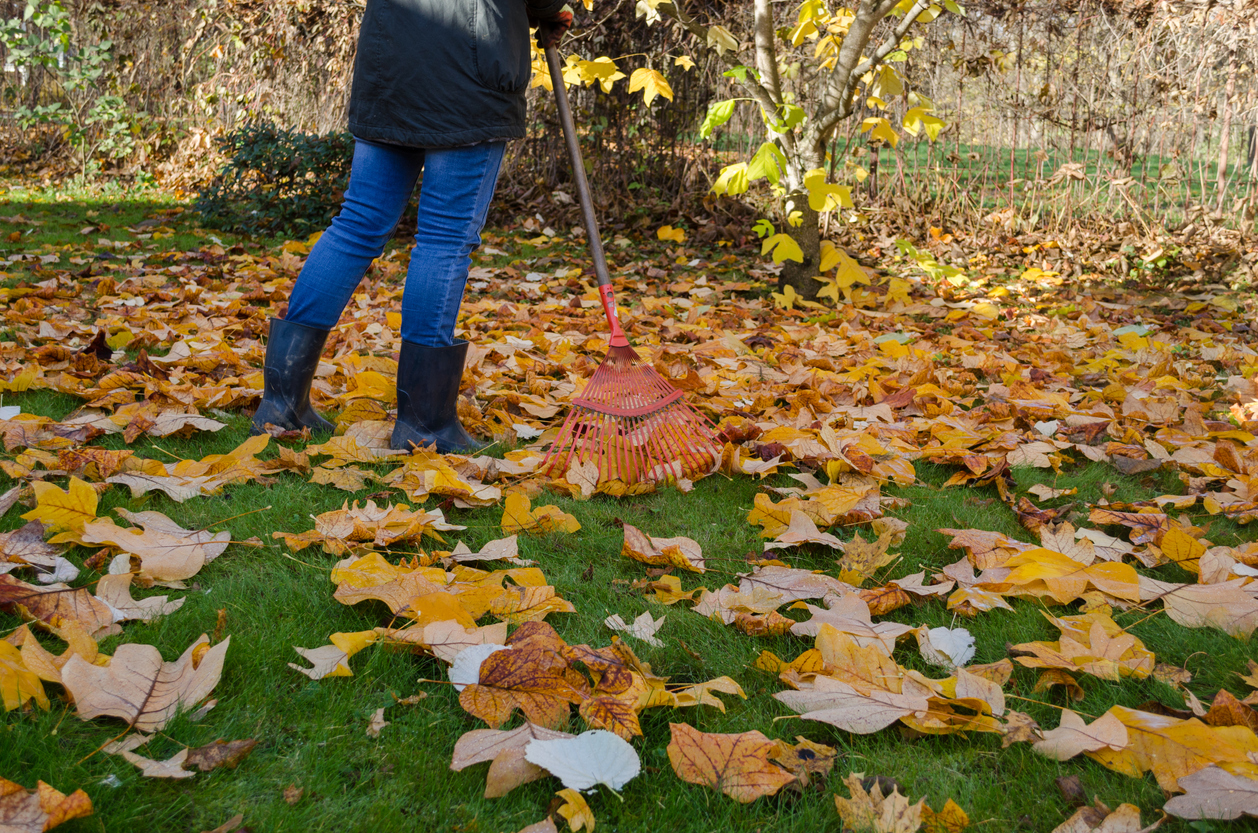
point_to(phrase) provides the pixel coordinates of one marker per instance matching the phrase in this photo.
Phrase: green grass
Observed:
(312, 734)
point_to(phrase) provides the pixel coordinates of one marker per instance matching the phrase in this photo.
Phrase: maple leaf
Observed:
(681, 552)
(738, 765)
(1104, 650)
(1099, 818)
(115, 591)
(870, 810)
(862, 559)
(139, 687)
(533, 677)
(43, 808)
(587, 760)
(149, 768)
(25, 545)
(951, 819)
(61, 510)
(1044, 572)
(47, 666)
(804, 759)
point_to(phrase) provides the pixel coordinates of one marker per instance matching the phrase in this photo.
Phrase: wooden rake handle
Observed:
(605, 293)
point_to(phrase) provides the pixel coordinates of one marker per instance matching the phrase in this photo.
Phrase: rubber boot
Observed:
(292, 356)
(428, 399)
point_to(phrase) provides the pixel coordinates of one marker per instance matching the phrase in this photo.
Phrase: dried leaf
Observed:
(738, 765)
(139, 687)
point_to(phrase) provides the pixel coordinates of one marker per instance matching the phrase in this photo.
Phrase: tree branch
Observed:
(766, 54)
(836, 102)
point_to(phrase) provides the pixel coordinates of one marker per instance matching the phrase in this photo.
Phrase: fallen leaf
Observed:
(1073, 737)
(376, 723)
(738, 765)
(1215, 793)
(576, 811)
(139, 687)
(871, 810)
(644, 627)
(220, 753)
(43, 808)
(681, 552)
(583, 762)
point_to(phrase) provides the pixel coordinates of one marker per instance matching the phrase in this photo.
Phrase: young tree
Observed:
(807, 78)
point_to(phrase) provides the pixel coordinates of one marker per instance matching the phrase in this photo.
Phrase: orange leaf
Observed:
(737, 765)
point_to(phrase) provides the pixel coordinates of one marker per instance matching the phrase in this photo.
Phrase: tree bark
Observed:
(807, 235)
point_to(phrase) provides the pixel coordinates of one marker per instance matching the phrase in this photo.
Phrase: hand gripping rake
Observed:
(628, 420)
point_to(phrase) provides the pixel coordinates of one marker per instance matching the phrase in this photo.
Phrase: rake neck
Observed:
(595, 241)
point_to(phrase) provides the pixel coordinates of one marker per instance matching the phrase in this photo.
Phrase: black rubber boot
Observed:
(292, 356)
(428, 399)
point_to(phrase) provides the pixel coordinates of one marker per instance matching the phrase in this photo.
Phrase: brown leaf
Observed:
(43, 808)
(139, 687)
(48, 604)
(683, 553)
(220, 753)
(533, 677)
(738, 765)
(872, 811)
(1226, 710)
(293, 794)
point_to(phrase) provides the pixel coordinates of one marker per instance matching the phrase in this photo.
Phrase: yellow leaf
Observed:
(720, 39)
(651, 83)
(669, 233)
(62, 511)
(1183, 549)
(879, 128)
(684, 61)
(785, 299)
(783, 248)
(951, 819)
(602, 70)
(824, 196)
(576, 811)
(17, 682)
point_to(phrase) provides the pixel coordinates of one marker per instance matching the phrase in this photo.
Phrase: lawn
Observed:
(312, 735)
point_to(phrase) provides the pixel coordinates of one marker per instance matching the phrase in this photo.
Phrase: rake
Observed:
(628, 420)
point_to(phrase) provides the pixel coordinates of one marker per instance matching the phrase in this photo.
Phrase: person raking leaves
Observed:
(439, 87)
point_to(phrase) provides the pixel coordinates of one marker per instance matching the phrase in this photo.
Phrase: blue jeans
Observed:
(453, 203)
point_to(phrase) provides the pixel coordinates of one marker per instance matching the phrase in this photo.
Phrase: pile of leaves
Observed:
(846, 401)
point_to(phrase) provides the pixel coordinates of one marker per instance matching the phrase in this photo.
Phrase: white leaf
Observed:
(62, 571)
(591, 758)
(465, 670)
(644, 627)
(949, 647)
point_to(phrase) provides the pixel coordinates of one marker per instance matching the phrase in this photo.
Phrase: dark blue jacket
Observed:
(443, 73)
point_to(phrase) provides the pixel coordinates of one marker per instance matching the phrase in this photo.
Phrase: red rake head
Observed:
(634, 425)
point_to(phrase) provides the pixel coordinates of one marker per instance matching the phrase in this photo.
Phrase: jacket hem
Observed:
(423, 139)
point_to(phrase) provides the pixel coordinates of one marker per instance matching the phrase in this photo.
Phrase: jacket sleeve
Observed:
(544, 9)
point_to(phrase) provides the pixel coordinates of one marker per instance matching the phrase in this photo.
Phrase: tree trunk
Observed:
(807, 235)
